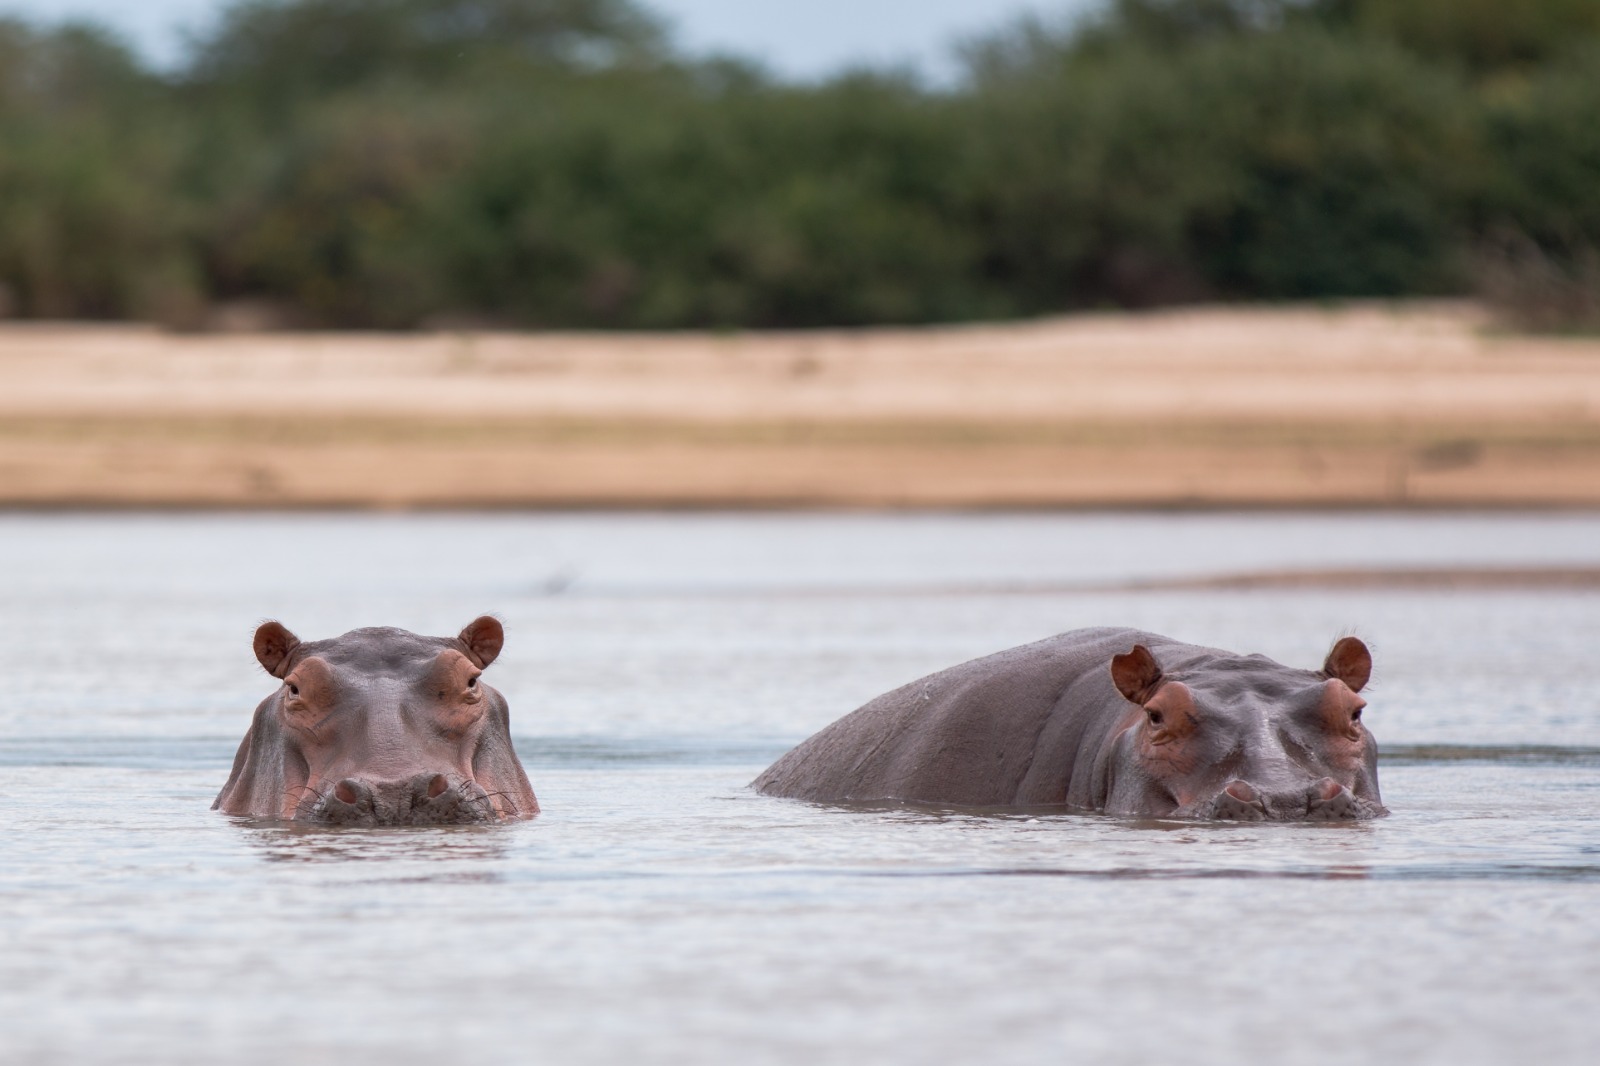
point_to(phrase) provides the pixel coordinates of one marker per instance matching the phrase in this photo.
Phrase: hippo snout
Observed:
(1325, 800)
(425, 799)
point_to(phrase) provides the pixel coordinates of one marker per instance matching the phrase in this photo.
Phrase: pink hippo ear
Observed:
(483, 638)
(1137, 675)
(274, 644)
(1350, 662)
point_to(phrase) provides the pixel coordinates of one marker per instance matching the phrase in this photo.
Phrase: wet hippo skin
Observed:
(380, 727)
(1115, 720)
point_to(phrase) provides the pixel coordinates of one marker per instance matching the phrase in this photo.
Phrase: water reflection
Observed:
(294, 842)
(1330, 873)
(1062, 814)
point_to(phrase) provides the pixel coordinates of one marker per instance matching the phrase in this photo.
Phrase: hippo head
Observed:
(1245, 738)
(380, 727)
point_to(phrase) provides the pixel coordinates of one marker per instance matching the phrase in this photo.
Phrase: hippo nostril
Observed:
(1329, 801)
(438, 786)
(346, 792)
(1239, 801)
(1242, 792)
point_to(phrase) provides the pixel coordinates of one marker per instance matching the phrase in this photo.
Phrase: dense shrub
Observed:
(1538, 251)
(88, 226)
(1291, 165)
(554, 163)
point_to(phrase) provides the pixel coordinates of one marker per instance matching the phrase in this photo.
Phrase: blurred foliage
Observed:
(1482, 35)
(394, 163)
(88, 147)
(1296, 164)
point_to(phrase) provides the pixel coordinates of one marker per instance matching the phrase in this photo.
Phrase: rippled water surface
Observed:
(660, 912)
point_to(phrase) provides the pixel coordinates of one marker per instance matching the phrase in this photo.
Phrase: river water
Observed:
(658, 911)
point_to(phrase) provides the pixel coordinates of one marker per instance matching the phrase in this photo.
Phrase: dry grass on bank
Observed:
(1366, 405)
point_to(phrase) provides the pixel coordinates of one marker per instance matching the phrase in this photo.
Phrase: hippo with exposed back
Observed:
(380, 727)
(1114, 720)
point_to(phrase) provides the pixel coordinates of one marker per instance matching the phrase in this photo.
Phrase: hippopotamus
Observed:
(380, 727)
(1112, 720)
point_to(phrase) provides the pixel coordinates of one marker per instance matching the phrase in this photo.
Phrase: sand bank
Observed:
(1405, 405)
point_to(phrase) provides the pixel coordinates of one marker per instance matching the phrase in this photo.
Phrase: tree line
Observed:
(544, 163)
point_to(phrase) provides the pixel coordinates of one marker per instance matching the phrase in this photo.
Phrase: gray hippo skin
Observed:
(1112, 720)
(380, 727)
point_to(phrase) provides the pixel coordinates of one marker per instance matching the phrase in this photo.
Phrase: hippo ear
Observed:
(483, 637)
(274, 644)
(1137, 675)
(1350, 662)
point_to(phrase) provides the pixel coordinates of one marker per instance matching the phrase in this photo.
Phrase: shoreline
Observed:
(180, 507)
(1364, 406)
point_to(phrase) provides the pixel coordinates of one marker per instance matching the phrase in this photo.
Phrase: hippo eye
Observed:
(1355, 715)
(294, 690)
(1155, 718)
(472, 682)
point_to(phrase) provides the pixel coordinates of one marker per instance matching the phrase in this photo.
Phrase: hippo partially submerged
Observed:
(1112, 720)
(380, 727)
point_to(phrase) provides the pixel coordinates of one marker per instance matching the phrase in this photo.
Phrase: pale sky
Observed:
(795, 38)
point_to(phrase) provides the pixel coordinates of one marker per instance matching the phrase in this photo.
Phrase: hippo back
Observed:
(1017, 728)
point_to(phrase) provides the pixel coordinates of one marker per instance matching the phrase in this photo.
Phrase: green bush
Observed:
(87, 226)
(1296, 164)
(394, 163)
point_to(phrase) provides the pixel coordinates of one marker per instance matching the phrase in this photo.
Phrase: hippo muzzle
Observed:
(426, 799)
(1322, 801)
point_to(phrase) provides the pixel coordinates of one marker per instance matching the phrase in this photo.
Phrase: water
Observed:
(660, 912)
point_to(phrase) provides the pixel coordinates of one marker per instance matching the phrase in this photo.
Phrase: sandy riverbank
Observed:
(1362, 405)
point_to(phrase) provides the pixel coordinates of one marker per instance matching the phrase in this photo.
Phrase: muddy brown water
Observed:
(660, 912)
